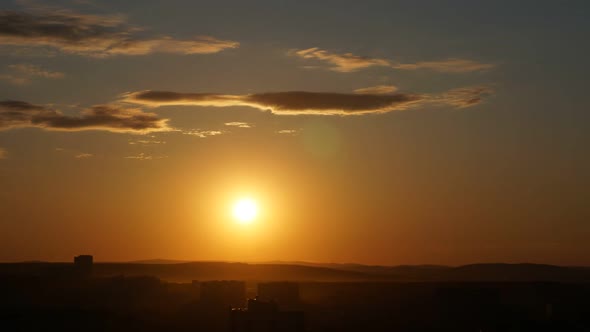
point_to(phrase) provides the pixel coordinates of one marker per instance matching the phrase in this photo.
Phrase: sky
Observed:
(375, 132)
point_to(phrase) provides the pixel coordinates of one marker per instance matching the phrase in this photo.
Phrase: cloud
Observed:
(284, 103)
(146, 142)
(238, 124)
(452, 65)
(32, 70)
(302, 102)
(15, 80)
(377, 90)
(95, 35)
(287, 132)
(463, 97)
(2, 153)
(202, 133)
(23, 74)
(113, 118)
(143, 156)
(349, 62)
(74, 153)
(346, 62)
(161, 98)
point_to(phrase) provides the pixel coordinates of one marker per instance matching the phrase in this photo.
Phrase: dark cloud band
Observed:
(322, 103)
(95, 35)
(18, 114)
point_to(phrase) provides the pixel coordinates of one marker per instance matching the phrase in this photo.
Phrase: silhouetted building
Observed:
(83, 263)
(224, 292)
(196, 288)
(265, 316)
(284, 293)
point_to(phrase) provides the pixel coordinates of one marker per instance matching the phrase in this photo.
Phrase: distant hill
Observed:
(379, 270)
(185, 272)
(159, 261)
(516, 272)
(178, 271)
(496, 272)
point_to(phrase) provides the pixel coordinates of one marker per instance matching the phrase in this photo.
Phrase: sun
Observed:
(245, 210)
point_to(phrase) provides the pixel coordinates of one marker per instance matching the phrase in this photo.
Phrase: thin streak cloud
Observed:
(144, 156)
(287, 131)
(23, 74)
(348, 62)
(452, 65)
(146, 142)
(238, 124)
(377, 90)
(202, 133)
(14, 79)
(33, 70)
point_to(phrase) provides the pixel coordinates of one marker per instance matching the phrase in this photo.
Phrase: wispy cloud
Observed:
(287, 131)
(452, 65)
(463, 97)
(33, 70)
(16, 114)
(146, 142)
(74, 153)
(377, 90)
(348, 62)
(144, 156)
(23, 73)
(202, 133)
(238, 124)
(95, 35)
(14, 79)
(322, 103)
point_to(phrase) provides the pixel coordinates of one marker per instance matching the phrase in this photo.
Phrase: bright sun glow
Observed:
(245, 210)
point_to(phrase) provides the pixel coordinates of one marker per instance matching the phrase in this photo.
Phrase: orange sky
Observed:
(387, 133)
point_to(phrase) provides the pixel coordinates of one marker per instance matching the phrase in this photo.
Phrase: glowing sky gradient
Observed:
(377, 132)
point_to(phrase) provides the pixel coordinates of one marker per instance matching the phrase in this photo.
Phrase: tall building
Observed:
(83, 264)
(223, 292)
(284, 293)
